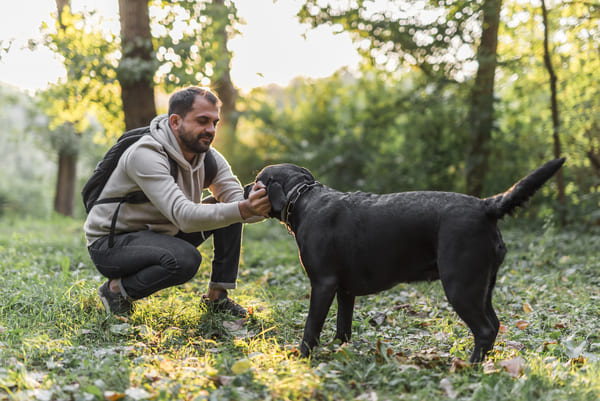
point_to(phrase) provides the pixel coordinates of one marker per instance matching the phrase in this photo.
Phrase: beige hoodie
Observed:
(173, 206)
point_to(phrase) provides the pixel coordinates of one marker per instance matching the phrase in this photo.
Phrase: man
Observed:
(155, 243)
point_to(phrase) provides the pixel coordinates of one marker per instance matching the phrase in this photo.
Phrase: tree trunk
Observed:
(65, 183)
(226, 140)
(555, 120)
(137, 66)
(67, 159)
(482, 100)
(60, 4)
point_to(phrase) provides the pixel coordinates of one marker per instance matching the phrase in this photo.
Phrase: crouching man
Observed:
(144, 247)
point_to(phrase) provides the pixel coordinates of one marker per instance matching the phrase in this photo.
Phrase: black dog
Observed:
(360, 243)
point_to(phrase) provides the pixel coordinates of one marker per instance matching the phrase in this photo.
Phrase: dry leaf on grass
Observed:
(489, 367)
(378, 319)
(549, 345)
(236, 325)
(241, 366)
(515, 345)
(113, 395)
(527, 308)
(138, 393)
(514, 366)
(458, 364)
(522, 324)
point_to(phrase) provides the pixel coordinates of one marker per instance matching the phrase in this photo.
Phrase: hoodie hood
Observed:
(160, 129)
(191, 175)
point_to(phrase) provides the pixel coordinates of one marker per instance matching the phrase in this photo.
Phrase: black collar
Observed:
(295, 192)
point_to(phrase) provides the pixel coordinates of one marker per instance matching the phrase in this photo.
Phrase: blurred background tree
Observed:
(87, 94)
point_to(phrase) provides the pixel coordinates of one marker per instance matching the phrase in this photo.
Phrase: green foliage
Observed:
(376, 132)
(57, 343)
(523, 118)
(90, 90)
(436, 36)
(188, 40)
(441, 38)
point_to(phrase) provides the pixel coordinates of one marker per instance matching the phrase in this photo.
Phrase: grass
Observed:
(56, 343)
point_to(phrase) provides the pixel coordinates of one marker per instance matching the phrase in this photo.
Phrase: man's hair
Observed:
(181, 101)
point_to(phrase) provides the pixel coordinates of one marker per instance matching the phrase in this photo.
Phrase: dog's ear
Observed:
(276, 197)
(247, 189)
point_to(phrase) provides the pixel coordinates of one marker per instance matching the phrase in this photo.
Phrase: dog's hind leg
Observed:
(468, 281)
(345, 302)
(477, 312)
(321, 297)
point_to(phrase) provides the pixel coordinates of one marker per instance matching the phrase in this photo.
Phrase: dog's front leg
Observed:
(321, 297)
(344, 316)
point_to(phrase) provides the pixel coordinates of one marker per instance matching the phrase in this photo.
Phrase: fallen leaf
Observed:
(514, 366)
(549, 344)
(211, 372)
(152, 375)
(489, 367)
(458, 364)
(579, 361)
(241, 366)
(502, 328)
(378, 319)
(236, 325)
(224, 380)
(167, 366)
(559, 326)
(113, 395)
(122, 318)
(448, 389)
(522, 324)
(137, 393)
(527, 308)
(515, 345)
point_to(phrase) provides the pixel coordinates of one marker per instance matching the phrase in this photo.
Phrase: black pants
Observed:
(147, 262)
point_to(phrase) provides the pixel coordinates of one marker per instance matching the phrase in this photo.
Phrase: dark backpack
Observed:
(95, 184)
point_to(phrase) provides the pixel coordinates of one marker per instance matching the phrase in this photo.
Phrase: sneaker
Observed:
(113, 302)
(225, 304)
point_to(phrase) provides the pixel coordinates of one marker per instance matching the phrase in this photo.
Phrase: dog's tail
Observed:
(505, 203)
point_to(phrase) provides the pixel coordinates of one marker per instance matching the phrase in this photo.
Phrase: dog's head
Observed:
(280, 180)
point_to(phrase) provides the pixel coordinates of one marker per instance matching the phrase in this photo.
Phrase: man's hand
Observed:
(257, 203)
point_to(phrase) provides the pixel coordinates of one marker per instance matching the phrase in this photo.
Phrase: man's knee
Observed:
(184, 263)
(191, 264)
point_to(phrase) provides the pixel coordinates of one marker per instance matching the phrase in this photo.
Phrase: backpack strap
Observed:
(134, 197)
(210, 168)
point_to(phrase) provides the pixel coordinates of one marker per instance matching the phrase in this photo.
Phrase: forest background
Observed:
(452, 95)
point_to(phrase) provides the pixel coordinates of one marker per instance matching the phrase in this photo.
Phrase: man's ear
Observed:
(174, 121)
(247, 189)
(276, 197)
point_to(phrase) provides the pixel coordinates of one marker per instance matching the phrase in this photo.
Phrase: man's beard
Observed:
(192, 142)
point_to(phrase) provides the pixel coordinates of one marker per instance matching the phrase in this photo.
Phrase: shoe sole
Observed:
(105, 303)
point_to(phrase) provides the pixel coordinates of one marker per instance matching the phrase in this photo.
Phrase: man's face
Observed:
(196, 131)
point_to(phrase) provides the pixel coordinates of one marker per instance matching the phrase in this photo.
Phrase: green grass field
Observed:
(56, 343)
